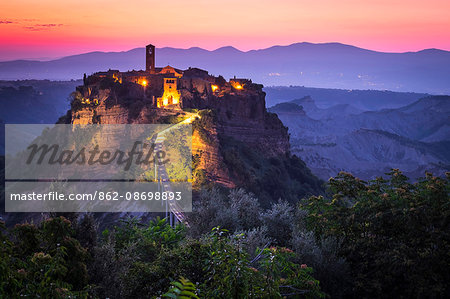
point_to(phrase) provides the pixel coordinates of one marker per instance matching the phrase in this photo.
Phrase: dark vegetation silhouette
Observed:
(379, 239)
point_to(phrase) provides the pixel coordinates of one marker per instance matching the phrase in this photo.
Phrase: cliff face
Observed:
(244, 118)
(240, 115)
(413, 138)
(210, 159)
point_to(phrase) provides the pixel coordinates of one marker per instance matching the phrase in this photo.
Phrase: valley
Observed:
(414, 138)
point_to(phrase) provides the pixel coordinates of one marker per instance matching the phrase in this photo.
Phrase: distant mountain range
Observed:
(363, 100)
(414, 138)
(33, 102)
(330, 65)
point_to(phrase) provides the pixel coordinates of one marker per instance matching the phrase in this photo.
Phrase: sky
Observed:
(48, 29)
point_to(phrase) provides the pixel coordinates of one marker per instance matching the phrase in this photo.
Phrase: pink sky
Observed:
(49, 28)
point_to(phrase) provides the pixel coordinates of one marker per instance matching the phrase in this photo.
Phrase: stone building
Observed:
(167, 86)
(171, 95)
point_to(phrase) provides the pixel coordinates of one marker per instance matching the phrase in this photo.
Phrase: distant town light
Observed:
(238, 86)
(144, 83)
(214, 87)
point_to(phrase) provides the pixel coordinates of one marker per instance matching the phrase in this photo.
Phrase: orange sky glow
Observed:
(45, 29)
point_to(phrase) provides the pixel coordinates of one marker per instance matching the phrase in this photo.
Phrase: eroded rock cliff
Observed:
(240, 115)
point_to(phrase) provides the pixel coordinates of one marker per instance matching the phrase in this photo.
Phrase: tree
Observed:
(395, 234)
(44, 261)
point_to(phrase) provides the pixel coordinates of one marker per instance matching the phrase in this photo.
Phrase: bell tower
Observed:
(150, 58)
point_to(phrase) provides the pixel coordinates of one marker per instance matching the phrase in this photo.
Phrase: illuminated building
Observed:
(165, 86)
(171, 95)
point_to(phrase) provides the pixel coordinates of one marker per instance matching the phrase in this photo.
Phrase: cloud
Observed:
(31, 28)
(49, 25)
(39, 27)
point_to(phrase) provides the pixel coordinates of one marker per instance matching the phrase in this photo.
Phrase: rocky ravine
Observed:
(414, 138)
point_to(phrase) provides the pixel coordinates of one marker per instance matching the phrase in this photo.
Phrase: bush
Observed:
(383, 238)
(279, 221)
(395, 235)
(43, 261)
(323, 256)
(238, 210)
(274, 275)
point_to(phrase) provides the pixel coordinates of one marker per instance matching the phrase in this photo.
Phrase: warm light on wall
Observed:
(141, 81)
(171, 98)
(171, 95)
(116, 78)
(214, 87)
(236, 85)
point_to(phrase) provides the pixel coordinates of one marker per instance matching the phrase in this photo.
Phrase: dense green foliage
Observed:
(395, 235)
(134, 260)
(182, 289)
(378, 239)
(216, 262)
(45, 261)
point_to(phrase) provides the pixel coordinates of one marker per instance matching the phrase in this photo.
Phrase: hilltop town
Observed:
(165, 87)
(233, 134)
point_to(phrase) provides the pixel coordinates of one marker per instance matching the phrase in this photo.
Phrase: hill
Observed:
(365, 100)
(236, 143)
(414, 138)
(32, 102)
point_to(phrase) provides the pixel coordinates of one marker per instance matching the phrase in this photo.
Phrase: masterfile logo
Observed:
(54, 154)
(98, 168)
(100, 152)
